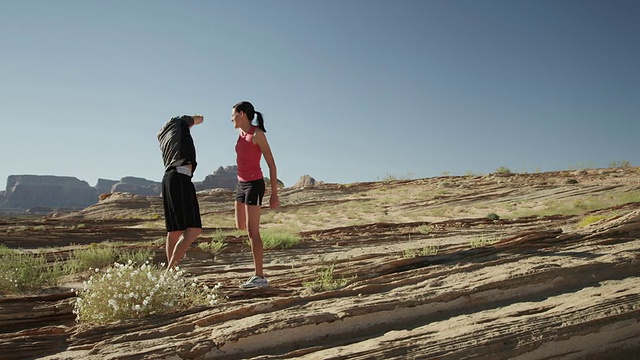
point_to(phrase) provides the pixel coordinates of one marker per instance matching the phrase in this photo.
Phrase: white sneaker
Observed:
(255, 282)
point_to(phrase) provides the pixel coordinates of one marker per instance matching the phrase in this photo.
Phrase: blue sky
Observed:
(354, 90)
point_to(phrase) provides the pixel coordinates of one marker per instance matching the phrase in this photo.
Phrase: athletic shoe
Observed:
(255, 282)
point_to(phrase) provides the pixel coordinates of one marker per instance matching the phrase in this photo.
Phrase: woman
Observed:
(251, 145)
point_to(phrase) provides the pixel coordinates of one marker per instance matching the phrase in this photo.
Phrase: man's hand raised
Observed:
(197, 119)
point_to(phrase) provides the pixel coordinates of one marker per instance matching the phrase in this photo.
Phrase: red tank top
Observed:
(248, 157)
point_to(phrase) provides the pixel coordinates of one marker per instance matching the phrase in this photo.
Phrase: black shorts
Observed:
(181, 210)
(250, 192)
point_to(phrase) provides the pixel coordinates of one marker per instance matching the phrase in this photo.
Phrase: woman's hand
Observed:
(274, 203)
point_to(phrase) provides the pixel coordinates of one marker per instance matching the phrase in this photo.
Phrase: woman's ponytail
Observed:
(247, 108)
(260, 121)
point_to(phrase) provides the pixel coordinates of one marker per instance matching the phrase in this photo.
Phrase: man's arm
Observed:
(186, 141)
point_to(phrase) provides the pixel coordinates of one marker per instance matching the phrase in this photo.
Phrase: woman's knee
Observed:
(254, 233)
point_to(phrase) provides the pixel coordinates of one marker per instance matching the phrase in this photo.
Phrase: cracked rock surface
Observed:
(519, 287)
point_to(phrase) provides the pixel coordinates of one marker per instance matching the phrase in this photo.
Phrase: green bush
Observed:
(425, 251)
(493, 216)
(4, 250)
(214, 247)
(137, 256)
(503, 170)
(326, 281)
(590, 220)
(424, 229)
(125, 291)
(94, 256)
(620, 164)
(272, 239)
(97, 256)
(482, 241)
(21, 273)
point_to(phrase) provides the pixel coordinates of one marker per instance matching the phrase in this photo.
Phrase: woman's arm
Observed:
(260, 139)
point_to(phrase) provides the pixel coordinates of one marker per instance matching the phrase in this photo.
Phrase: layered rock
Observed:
(137, 186)
(43, 193)
(222, 178)
(29, 191)
(305, 181)
(103, 186)
(460, 286)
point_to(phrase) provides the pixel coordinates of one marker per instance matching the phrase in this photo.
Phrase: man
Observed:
(181, 210)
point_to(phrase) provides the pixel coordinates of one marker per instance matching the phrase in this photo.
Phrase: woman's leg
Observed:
(253, 227)
(241, 216)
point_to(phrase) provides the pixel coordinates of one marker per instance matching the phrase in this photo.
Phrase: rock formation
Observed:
(222, 178)
(103, 186)
(519, 287)
(29, 191)
(304, 181)
(44, 193)
(137, 186)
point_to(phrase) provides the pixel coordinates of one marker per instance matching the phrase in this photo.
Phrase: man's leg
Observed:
(172, 239)
(182, 245)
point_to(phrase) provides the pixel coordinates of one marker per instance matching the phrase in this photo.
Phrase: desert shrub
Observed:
(4, 250)
(620, 164)
(571, 181)
(100, 256)
(222, 235)
(424, 229)
(137, 256)
(482, 241)
(326, 281)
(425, 251)
(388, 177)
(493, 216)
(430, 250)
(94, 256)
(590, 220)
(125, 291)
(219, 235)
(278, 239)
(213, 247)
(630, 197)
(21, 273)
(502, 170)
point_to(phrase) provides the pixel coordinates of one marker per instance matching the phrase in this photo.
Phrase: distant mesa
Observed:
(222, 178)
(47, 193)
(137, 186)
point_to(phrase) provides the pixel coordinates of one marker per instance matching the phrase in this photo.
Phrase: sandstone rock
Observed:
(30, 191)
(546, 288)
(103, 186)
(222, 178)
(267, 183)
(304, 181)
(105, 196)
(137, 186)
